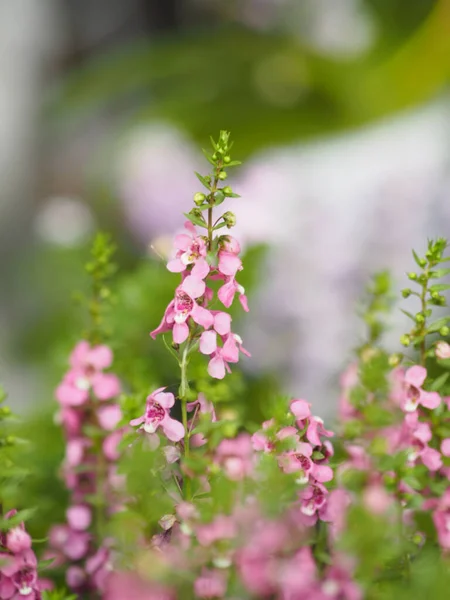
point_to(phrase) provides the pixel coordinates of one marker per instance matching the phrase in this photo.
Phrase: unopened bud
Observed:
(394, 360)
(406, 293)
(226, 160)
(442, 350)
(405, 340)
(199, 198)
(435, 295)
(422, 263)
(196, 212)
(412, 276)
(5, 411)
(223, 175)
(419, 318)
(227, 190)
(230, 219)
(444, 331)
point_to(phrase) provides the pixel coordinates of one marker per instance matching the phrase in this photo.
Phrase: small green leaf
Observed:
(408, 314)
(436, 325)
(202, 180)
(219, 226)
(196, 220)
(439, 382)
(21, 516)
(440, 287)
(439, 273)
(417, 259)
(208, 157)
(234, 163)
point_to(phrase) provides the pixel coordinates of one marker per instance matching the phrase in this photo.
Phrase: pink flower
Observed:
(157, 415)
(236, 456)
(73, 544)
(184, 306)
(442, 350)
(229, 263)
(313, 499)
(376, 499)
(86, 373)
(222, 528)
(410, 394)
(109, 416)
(210, 584)
(221, 356)
(300, 460)
(18, 540)
(445, 447)
(228, 290)
(441, 519)
(79, 517)
(121, 585)
(315, 428)
(191, 250)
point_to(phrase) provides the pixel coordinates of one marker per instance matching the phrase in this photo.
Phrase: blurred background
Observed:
(339, 110)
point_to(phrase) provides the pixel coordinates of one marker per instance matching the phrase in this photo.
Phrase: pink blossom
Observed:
(121, 585)
(228, 291)
(376, 499)
(191, 250)
(210, 584)
(236, 456)
(313, 499)
(300, 461)
(221, 356)
(109, 416)
(441, 519)
(185, 306)
(157, 415)
(445, 447)
(18, 540)
(222, 528)
(79, 517)
(298, 575)
(409, 394)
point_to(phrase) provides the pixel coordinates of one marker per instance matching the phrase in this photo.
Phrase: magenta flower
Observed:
(300, 461)
(221, 355)
(157, 415)
(222, 528)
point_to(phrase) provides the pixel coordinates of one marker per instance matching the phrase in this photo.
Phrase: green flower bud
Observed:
(199, 198)
(10, 440)
(223, 175)
(215, 156)
(227, 190)
(405, 340)
(5, 411)
(229, 218)
(412, 276)
(422, 263)
(394, 360)
(444, 331)
(226, 159)
(435, 295)
(419, 318)
(196, 212)
(406, 293)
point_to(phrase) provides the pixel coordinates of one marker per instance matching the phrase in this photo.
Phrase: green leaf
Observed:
(219, 197)
(439, 382)
(202, 180)
(213, 143)
(439, 273)
(417, 259)
(440, 287)
(408, 314)
(436, 325)
(21, 516)
(196, 220)
(234, 163)
(219, 226)
(208, 157)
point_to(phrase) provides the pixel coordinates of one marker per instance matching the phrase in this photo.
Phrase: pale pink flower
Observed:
(441, 519)
(376, 499)
(79, 517)
(445, 447)
(157, 414)
(109, 416)
(221, 356)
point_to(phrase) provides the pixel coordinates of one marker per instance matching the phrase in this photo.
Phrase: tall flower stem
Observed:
(184, 388)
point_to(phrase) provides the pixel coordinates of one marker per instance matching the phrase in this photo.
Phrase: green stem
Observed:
(184, 387)
(423, 302)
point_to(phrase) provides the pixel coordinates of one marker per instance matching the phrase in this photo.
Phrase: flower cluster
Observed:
(203, 260)
(89, 415)
(18, 565)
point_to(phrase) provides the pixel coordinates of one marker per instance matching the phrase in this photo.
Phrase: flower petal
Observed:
(173, 429)
(208, 342)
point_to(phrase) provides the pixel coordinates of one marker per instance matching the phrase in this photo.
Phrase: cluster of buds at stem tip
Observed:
(429, 295)
(203, 258)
